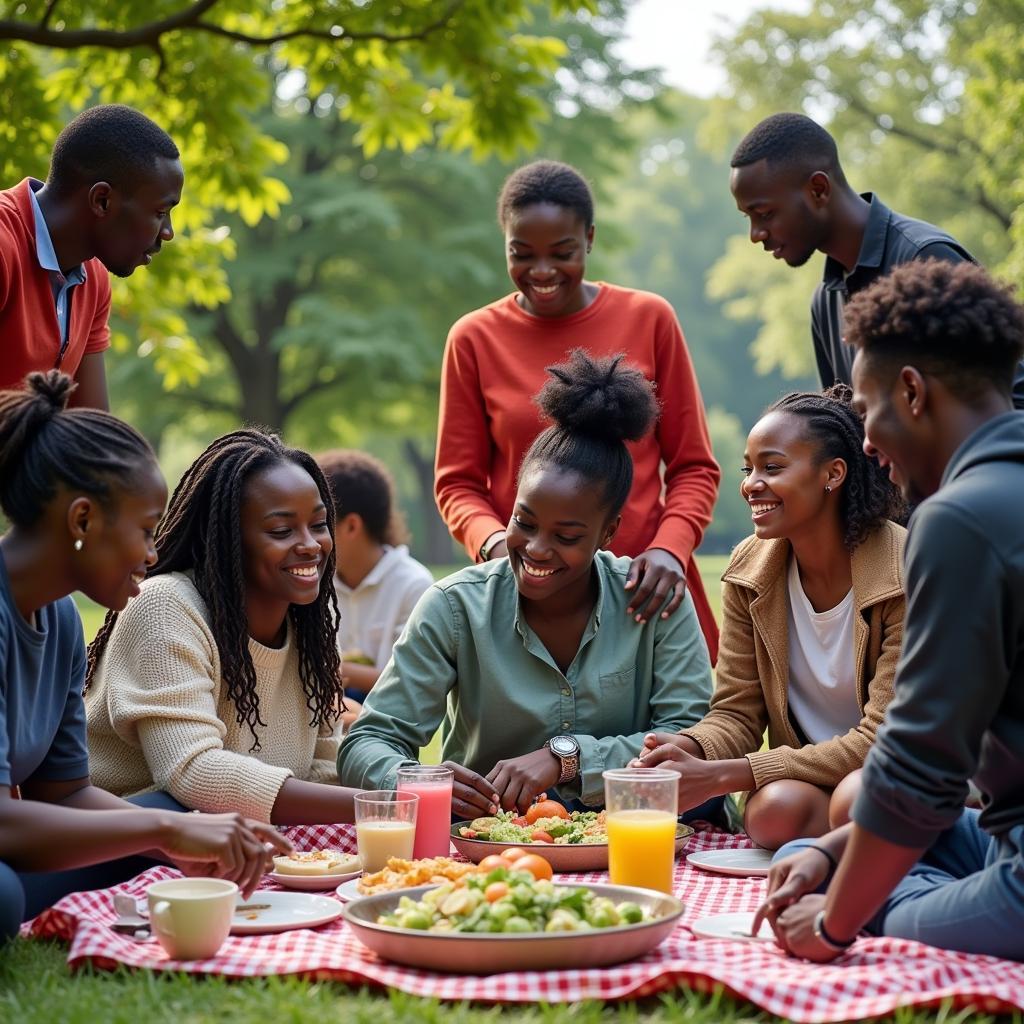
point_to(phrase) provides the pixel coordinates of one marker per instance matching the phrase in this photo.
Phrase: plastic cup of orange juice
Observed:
(641, 805)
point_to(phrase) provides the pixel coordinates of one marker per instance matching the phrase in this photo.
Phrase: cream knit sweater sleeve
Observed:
(159, 689)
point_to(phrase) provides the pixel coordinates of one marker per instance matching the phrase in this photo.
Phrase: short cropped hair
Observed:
(546, 181)
(363, 485)
(951, 320)
(112, 143)
(791, 140)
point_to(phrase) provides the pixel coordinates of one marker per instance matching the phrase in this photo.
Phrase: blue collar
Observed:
(45, 252)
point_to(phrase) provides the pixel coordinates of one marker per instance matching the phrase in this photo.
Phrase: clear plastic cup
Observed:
(385, 826)
(433, 785)
(641, 805)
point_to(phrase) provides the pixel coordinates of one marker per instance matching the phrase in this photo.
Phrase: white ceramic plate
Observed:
(732, 926)
(741, 863)
(282, 911)
(312, 883)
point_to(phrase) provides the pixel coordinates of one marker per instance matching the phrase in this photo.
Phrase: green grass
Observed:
(36, 985)
(37, 988)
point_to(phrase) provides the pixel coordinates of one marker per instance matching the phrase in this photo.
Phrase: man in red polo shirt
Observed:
(106, 205)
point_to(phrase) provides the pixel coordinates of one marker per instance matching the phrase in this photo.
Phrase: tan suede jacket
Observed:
(753, 662)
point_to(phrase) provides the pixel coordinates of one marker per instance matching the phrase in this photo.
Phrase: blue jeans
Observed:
(966, 893)
(23, 894)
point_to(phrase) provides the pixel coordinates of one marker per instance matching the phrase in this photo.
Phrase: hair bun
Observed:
(53, 388)
(599, 398)
(839, 392)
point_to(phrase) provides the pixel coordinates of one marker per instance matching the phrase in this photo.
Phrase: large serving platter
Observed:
(561, 857)
(475, 953)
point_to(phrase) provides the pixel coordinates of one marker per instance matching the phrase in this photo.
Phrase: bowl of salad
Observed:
(509, 920)
(569, 841)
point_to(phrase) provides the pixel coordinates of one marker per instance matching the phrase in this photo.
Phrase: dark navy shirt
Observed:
(890, 239)
(42, 670)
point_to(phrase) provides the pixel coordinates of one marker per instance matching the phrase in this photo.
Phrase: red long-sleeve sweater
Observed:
(494, 363)
(29, 332)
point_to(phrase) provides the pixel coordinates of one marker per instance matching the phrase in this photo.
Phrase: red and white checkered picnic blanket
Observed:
(873, 978)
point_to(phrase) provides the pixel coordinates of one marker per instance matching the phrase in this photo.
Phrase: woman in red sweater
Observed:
(494, 362)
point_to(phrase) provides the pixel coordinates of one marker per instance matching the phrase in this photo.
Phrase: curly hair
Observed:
(868, 497)
(951, 320)
(112, 143)
(546, 181)
(789, 140)
(43, 443)
(597, 405)
(362, 484)
(201, 533)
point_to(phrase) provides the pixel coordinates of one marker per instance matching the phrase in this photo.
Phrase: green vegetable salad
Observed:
(507, 827)
(505, 901)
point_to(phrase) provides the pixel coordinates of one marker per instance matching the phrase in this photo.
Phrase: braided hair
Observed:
(596, 405)
(201, 532)
(44, 444)
(868, 497)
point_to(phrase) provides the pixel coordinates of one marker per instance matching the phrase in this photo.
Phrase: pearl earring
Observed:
(828, 488)
(79, 544)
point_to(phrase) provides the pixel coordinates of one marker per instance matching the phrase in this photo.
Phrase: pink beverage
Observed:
(434, 816)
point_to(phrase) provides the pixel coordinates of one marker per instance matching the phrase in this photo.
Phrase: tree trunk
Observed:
(436, 544)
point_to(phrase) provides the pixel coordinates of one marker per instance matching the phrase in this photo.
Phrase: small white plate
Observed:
(282, 911)
(732, 926)
(312, 883)
(750, 863)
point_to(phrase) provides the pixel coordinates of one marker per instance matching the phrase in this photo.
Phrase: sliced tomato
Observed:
(540, 836)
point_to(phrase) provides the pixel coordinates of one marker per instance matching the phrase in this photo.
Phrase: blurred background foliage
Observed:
(343, 158)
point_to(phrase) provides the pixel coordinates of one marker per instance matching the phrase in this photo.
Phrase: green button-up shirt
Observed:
(469, 662)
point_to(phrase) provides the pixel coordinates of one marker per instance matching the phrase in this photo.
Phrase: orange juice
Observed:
(641, 848)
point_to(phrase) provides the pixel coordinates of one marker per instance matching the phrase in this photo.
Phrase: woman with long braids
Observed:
(539, 677)
(82, 493)
(812, 623)
(219, 686)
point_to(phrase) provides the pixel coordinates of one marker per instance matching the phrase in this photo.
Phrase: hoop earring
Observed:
(79, 544)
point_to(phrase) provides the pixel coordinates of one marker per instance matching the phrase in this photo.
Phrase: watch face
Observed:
(564, 746)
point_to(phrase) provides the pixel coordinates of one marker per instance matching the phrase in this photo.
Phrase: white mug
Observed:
(191, 917)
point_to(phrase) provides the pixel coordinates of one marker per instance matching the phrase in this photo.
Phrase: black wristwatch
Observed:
(836, 945)
(567, 750)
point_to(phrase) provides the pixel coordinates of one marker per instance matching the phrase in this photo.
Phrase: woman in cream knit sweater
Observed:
(219, 684)
(812, 622)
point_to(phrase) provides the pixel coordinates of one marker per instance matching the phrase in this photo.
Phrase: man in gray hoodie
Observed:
(936, 346)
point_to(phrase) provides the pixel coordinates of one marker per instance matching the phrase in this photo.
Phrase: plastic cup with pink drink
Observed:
(433, 785)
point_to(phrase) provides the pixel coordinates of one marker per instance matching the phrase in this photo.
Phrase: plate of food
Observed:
(405, 874)
(509, 920)
(576, 841)
(315, 870)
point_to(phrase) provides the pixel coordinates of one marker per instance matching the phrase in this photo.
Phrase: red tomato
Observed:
(488, 864)
(468, 833)
(512, 854)
(535, 864)
(519, 820)
(540, 836)
(495, 891)
(546, 809)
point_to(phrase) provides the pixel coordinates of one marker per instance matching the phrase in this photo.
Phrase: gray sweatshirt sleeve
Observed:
(950, 682)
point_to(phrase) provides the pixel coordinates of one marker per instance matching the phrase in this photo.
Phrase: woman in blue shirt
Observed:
(83, 492)
(532, 662)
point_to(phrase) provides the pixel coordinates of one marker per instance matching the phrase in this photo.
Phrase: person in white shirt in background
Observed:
(377, 581)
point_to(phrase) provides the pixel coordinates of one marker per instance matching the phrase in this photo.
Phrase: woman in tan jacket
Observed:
(812, 622)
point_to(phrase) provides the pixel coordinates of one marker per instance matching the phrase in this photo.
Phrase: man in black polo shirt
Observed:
(787, 179)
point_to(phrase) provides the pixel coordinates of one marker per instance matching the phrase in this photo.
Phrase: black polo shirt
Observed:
(889, 240)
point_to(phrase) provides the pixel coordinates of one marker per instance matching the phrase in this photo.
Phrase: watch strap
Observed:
(570, 764)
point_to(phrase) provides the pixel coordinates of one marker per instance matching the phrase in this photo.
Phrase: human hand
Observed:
(659, 747)
(655, 575)
(472, 794)
(498, 550)
(794, 930)
(789, 880)
(519, 780)
(226, 845)
(699, 780)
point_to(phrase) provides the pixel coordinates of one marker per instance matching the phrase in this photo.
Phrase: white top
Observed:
(374, 613)
(822, 691)
(160, 717)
